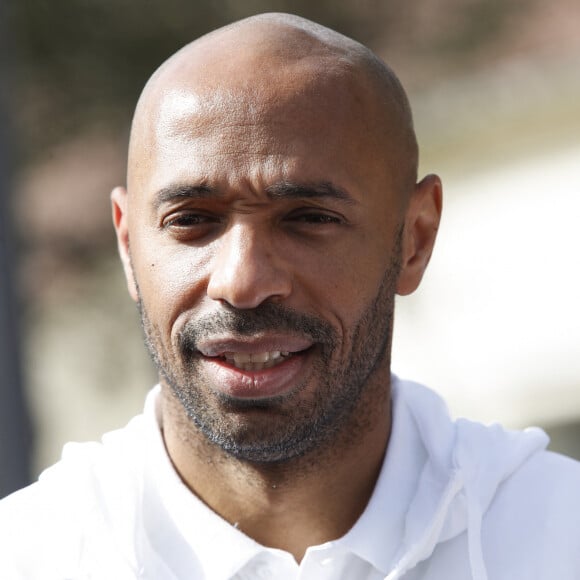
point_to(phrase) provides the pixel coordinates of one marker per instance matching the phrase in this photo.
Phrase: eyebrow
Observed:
(290, 190)
(179, 191)
(280, 190)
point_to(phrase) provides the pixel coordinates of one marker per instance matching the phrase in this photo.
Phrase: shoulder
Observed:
(544, 474)
(534, 519)
(74, 510)
(550, 484)
(44, 519)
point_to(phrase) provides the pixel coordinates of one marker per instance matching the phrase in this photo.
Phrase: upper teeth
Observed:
(255, 360)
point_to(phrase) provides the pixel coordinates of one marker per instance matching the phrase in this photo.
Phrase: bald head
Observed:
(272, 66)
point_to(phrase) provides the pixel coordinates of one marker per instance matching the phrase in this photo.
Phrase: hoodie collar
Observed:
(376, 536)
(465, 463)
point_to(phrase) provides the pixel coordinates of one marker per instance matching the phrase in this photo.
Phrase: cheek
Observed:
(171, 279)
(342, 281)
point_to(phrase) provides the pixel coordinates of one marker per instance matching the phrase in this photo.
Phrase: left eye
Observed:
(315, 217)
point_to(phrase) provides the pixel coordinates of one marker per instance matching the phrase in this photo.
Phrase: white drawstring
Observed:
(424, 547)
(476, 560)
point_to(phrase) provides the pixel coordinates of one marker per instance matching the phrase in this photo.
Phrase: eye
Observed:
(189, 224)
(314, 217)
(187, 220)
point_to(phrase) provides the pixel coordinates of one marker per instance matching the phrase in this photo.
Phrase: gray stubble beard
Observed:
(297, 428)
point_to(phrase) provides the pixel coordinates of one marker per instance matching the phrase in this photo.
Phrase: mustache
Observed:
(246, 323)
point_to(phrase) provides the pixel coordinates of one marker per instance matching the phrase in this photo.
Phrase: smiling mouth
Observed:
(256, 361)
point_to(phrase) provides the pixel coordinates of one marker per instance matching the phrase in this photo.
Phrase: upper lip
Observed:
(268, 343)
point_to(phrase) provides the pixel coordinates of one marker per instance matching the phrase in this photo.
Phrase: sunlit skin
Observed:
(268, 165)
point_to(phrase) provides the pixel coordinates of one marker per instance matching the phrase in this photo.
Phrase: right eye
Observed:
(189, 224)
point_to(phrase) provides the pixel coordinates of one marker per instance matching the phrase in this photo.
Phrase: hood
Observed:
(465, 464)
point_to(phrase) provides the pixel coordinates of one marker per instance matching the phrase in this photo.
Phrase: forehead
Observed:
(297, 107)
(316, 125)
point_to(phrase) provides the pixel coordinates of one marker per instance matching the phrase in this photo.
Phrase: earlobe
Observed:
(420, 230)
(120, 221)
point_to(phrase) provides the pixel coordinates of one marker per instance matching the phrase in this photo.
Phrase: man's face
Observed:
(264, 231)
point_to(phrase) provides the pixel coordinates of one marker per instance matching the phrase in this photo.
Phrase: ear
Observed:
(120, 221)
(421, 225)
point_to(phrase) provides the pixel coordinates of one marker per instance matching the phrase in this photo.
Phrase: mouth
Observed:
(256, 354)
(257, 367)
(256, 361)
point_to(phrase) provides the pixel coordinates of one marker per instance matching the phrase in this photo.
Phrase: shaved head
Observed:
(274, 64)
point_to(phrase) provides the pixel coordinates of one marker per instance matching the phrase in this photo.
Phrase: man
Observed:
(272, 212)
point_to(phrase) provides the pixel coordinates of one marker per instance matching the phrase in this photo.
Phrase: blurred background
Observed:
(495, 86)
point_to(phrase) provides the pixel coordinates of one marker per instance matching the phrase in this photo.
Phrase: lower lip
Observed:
(275, 381)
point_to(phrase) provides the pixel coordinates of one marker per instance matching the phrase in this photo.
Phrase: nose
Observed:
(245, 270)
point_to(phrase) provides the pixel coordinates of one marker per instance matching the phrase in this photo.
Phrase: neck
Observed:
(288, 505)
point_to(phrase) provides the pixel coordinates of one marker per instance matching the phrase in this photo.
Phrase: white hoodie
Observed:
(455, 500)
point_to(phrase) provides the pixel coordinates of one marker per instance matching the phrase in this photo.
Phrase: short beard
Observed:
(345, 399)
